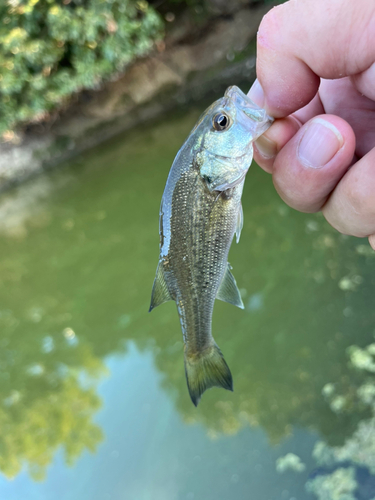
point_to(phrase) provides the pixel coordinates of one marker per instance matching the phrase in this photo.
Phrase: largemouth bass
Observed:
(200, 213)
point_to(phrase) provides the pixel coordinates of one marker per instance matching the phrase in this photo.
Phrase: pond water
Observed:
(93, 398)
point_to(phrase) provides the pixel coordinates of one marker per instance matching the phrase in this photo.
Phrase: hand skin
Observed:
(316, 75)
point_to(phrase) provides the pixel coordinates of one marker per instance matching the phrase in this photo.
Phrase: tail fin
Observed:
(206, 369)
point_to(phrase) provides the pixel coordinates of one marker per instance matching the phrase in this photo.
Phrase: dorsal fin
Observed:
(228, 291)
(160, 292)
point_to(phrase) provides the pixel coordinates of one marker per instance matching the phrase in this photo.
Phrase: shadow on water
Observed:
(79, 250)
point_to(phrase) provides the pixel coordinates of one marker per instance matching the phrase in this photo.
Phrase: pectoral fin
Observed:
(239, 223)
(160, 292)
(228, 291)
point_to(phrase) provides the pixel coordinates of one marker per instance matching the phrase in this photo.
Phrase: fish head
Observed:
(223, 139)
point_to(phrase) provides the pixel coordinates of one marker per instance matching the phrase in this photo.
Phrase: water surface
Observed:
(93, 398)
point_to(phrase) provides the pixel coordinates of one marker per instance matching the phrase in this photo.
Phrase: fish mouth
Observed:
(261, 121)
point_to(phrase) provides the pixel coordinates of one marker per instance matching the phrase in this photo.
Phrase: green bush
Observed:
(50, 49)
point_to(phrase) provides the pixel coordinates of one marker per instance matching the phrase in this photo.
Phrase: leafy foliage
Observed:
(50, 49)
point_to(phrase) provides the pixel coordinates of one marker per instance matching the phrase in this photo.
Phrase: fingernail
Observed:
(266, 148)
(256, 94)
(319, 144)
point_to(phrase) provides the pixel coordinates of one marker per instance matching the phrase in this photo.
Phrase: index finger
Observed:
(302, 41)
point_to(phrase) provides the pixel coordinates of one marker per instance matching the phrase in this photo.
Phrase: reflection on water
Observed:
(78, 254)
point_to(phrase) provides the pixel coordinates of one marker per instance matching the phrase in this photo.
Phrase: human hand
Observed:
(316, 74)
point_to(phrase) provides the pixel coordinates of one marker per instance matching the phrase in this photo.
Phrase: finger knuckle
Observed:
(361, 199)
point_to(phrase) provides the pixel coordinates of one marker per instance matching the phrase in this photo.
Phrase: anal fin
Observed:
(228, 290)
(160, 292)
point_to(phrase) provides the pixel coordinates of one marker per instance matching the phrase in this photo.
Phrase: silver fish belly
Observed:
(199, 215)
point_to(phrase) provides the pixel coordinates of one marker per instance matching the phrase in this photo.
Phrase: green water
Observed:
(93, 399)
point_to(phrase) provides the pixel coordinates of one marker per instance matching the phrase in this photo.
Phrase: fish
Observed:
(199, 215)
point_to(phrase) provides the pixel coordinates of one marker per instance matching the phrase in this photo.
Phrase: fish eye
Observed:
(221, 121)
